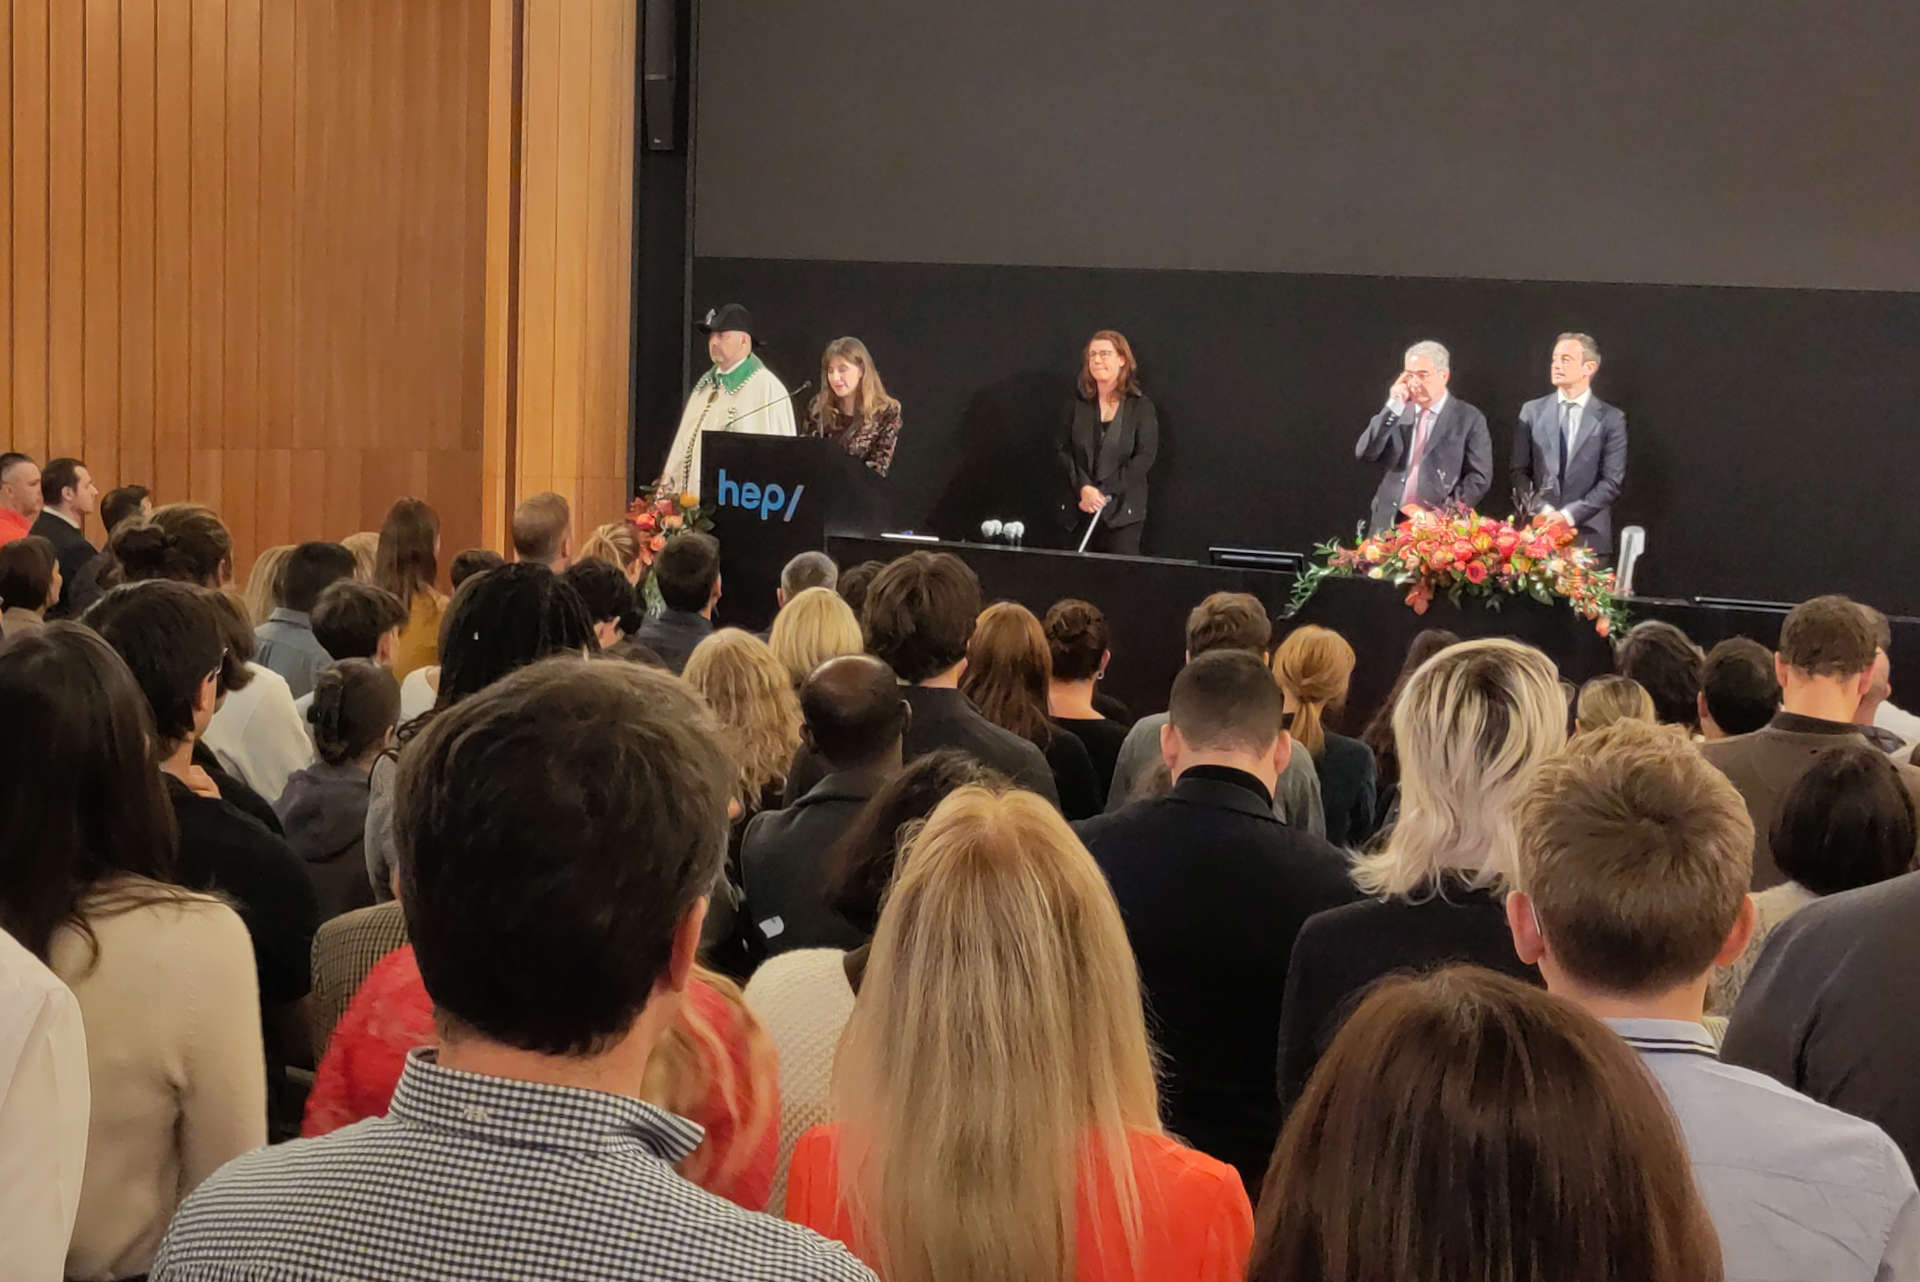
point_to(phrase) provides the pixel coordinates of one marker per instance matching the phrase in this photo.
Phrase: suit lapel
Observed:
(1591, 420)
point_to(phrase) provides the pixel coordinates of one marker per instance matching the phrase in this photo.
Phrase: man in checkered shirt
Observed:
(557, 835)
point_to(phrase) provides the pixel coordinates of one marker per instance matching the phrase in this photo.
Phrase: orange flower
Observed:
(675, 521)
(657, 542)
(689, 501)
(1476, 572)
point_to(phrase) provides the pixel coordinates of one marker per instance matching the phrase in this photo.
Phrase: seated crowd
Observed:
(353, 928)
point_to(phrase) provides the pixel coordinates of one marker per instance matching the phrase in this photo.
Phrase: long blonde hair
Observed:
(753, 699)
(997, 1054)
(810, 629)
(263, 582)
(1313, 666)
(365, 546)
(1471, 727)
(869, 398)
(617, 543)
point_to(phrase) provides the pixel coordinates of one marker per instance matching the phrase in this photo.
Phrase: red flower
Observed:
(1476, 572)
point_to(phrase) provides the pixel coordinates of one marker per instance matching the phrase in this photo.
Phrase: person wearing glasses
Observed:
(1107, 446)
(1435, 446)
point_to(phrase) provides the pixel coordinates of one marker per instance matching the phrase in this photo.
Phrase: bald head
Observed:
(854, 713)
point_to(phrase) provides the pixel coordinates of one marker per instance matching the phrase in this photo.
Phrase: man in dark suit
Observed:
(854, 718)
(1570, 452)
(1435, 446)
(1213, 889)
(688, 574)
(70, 496)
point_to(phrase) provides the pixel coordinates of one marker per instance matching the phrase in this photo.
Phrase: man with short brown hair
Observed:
(1631, 879)
(1825, 668)
(543, 530)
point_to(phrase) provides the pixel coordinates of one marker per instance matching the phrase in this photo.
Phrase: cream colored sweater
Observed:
(803, 1000)
(172, 1016)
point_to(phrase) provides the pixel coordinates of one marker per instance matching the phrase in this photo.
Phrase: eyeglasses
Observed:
(221, 666)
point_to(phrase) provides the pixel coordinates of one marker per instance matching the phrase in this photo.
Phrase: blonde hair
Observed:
(617, 543)
(1313, 666)
(1472, 726)
(870, 397)
(262, 594)
(1605, 700)
(813, 627)
(997, 1054)
(754, 702)
(693, 1059)
(365, 547)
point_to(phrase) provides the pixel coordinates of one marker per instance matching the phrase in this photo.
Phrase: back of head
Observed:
(1378, 734)
(1741, 690)
(26, 573)
(854, 582)
(540, 525)
(1313, 666)
(1605, 700)
(471, 562)
(1226, 702)
(1637, 854)
(121, 503)
(605, 590)
(998, 1031)
(504, 620)
(364, 545)
(808, 570)
(852, 710)
(1465, 1127)
(311, 567)
(355, 705)
(920, 612)
(1666, 663)
(406, 558)
(229, 610)
(182, 541)
(811, 628)
(1229, 621)
(552, 833)
(1471, 727)
(687, 570)
(617, 543)
(350, 618)
(1828, 636)
(1847, 822)
(1076, 638)
(84, 801)
(753, 698)
(171, 641)
(1009, 669)
(266, 582)
(860, 865)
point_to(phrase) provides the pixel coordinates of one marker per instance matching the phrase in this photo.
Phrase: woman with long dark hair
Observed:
(1008, 675)
(852, 408)
(407, 563)
(1107, 446)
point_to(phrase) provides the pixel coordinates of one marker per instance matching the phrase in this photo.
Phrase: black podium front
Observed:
(773, 497)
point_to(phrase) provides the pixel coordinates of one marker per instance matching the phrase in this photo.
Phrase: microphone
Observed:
(990, 530)
(770, 404)
(1015, 531)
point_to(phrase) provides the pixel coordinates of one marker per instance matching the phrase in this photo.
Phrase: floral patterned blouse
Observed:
(871, 442)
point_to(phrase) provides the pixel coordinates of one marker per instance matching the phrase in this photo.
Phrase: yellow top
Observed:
(419, 644)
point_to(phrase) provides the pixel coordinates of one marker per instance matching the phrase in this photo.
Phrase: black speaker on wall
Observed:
(660, 74)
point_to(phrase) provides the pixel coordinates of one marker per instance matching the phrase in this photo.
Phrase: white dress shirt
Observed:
(1575, 417)
(44, 1110)
(258, 735)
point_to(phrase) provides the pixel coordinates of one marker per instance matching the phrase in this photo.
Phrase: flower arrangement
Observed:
(1460, 553)
(659, 516)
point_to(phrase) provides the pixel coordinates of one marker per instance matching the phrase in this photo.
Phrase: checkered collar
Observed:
(500, 1110)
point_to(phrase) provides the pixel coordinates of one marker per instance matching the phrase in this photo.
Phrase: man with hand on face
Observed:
(1570, 451)
(1435, 446)
(739, 389)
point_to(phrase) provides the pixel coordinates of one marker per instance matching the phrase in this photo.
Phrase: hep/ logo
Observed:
(768, 500)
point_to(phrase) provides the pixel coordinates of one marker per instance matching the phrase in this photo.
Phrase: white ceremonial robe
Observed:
(758, 403)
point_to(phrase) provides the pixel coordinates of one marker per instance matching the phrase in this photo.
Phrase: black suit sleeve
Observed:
(1069, 458)
(1521, 463)
(1476, 465)
(1613, 472)
(1381, 434)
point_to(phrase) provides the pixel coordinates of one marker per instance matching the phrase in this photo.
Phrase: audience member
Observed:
(852, 717)
(1464, 1128)
(1213, 889)
(324, 808)
(810, 569)
(171, 640)
(552, 980)
(236, 676)
(543, 530)
(815, 625)
(163, 977)
(471, 562)
(1472, 726)
(1224, 621)
(356, 620)
(345, 949)
(419, 688)
(1008, 671)
(499, 622)
(1666, 663)
(122, 504)
(631, 651)
(258, 735)
(1314, 666)
(29, 584)
(618, 544)
(994, 1096)
(20, 496)
(853, 584)
(185, 542)
(1605, 700)
(1738, 690)
(286, 643)
(264, 590)
(611, 602)
(1880, 691)
(1378, 733)
(687, 572)
(1824, 666)
(365, 547)
(804, 997)
(407, 564)
(1630, 887)
(44, 1112)
(1846, 823)
(1077, 639)
(68, 497)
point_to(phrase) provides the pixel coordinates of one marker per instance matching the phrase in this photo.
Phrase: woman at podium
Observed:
(852, 408)
(1107, 447)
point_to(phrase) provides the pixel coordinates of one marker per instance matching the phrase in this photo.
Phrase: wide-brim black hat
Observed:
(731, 316)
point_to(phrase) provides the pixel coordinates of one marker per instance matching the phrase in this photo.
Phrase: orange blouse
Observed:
(419, 644)
(1196, 1223)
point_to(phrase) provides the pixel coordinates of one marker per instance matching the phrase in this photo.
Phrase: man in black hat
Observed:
(739, 394)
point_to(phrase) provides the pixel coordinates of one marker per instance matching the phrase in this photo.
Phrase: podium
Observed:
(773, 497)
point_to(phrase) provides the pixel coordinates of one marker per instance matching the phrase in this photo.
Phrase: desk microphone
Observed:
(990, 530)
(770, 404)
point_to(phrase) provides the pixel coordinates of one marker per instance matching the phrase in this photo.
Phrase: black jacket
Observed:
(1213, 889)
(1115, 462)
(947, 719)
(784, 866)
(673, 634)
(71, 550)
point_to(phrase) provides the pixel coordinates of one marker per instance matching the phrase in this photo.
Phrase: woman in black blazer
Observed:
(1107, 447)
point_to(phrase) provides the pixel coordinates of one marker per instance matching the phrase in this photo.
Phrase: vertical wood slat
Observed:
(6, 220)
(207, 250)
(500, 322)
(137, 243)
(96, 438)
(273, 514)
(66, 217)
(242, 336)
(572, 331)
(539, 245)
(29, 139)
(173, 312)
